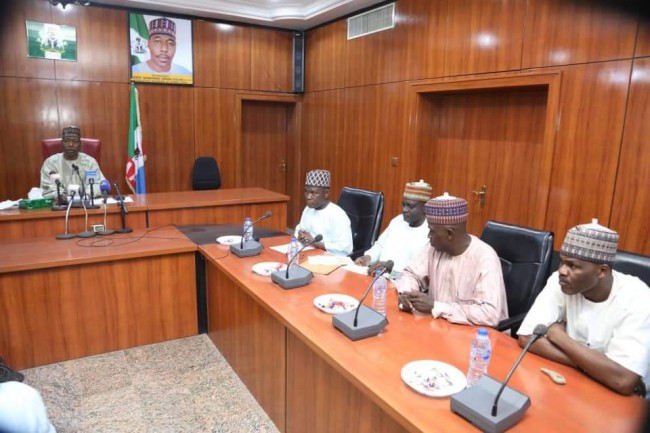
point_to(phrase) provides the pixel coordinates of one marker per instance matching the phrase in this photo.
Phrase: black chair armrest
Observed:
(511, 323)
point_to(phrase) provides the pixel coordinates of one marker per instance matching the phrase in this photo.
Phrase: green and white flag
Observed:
(138, 34)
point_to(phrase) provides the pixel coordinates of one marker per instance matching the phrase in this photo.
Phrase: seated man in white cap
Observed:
(599, 318)
(458, 277)
(323, 217)
(61, 166)
(406, 234)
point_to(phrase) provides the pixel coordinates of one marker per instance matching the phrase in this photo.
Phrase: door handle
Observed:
(283, 166)
(482, 196)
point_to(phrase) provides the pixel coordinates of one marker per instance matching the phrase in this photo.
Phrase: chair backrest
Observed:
(205, 174)
(525, 255)
(365, 210)
(89, 146)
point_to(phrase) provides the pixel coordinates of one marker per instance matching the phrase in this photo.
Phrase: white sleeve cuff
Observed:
(439, 308)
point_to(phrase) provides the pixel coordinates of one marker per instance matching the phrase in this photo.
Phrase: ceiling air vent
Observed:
(373, 21)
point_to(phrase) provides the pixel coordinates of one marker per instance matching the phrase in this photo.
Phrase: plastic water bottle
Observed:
(479, 356)
(293, 250)
(379, 294)
(248, 229)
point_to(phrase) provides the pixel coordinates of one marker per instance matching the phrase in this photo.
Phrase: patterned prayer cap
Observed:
(318, 178)
(591, 243)
(420, 191)
(446, 210)
(71, 133)
(163, 26)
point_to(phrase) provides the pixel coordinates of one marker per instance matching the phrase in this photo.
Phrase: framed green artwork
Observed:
(51, 41)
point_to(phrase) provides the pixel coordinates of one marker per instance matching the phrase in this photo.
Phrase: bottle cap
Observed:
(482, 331)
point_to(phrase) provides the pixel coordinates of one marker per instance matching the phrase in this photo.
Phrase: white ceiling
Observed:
(288, 14)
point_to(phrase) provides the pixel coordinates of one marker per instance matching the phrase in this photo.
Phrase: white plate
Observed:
(433, 378)
(265, 269)
(335, 303)
(229, 240)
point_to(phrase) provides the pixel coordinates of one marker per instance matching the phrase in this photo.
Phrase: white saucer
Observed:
(229, 240)
(335, 303)
(265, 269)
(433, 378)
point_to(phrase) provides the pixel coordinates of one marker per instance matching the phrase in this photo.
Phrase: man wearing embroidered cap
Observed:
(457, 277)
(162, 49)
(323, 217)
(599, 319)
(59, 165)
(406, 234)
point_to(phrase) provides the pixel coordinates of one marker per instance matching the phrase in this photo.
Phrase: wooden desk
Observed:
(61, 300)
(221, 206)
(310, 378)
(27, 224)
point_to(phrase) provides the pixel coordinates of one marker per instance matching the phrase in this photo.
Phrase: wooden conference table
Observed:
(308, 377)
(222, 206)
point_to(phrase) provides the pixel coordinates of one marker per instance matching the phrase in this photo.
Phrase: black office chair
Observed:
(525, 255)
(365, 210)
(205, 174)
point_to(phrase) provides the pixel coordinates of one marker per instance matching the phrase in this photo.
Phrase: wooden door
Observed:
(264, 145)
(496, 139)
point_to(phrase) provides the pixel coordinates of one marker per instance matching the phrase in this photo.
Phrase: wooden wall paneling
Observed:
(484, 36)
(252, 341)
(592, 112)
(323, 136)
(631, 204)
(167, 114)
(29, 113)
(325, 57)
(222, 55)
(102, 44)
(13, 39)
(295, 181)
(50, 317)
(375, 132)
(395, 54)
(101, 110)
(436, 42)
(271, 60)
(643, 38)
(562, 32)
(221, 215)
(215, 133)
(315, 388)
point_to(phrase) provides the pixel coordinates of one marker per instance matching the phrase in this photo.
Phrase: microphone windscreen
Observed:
(389, 266)
(105, 186)
(540, 330)
(267, 214)
(318, 238)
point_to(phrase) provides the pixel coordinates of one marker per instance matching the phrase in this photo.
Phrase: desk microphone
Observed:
(105, 188)
(86, 233)
(479, 403)
(56, 178)
(251, 247)
(300, 277)
(67, 235)
(91, 175)
(82, 195)
(364, 322)
(123, 210)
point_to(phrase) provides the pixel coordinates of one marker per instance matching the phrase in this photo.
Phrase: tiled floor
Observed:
(178, 386)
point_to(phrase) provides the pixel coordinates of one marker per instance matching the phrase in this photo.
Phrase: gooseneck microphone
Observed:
(56, 178)
(363, 322)
(86, 233)
(251, 247)
(82, 194)
(67, 235)
(123, 210)
(300, 276)
(539, 331)
(105, 188)
(479, 403)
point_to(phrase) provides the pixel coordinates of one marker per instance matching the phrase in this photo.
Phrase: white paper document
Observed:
(284, 249)
(111, 200)
(329, 260)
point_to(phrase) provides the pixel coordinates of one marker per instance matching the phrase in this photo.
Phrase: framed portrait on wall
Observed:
(51, 41)
(161, 49)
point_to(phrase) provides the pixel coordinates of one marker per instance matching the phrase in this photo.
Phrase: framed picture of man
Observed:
(161, 49)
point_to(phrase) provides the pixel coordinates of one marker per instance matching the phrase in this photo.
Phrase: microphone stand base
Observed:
(369, 323)
(87, 234)
(124, 230)
(475, 405)
(66, 236)
(298, 277)
(250, 248)
(105, 232)
(59, 207)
